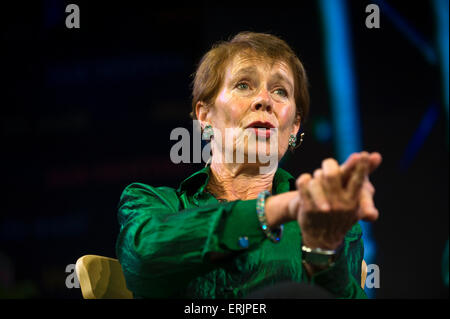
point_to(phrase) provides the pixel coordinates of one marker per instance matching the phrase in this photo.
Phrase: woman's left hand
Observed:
(335, 198)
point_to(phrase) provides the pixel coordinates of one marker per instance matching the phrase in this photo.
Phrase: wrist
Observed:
(273, 233)
(277, 209)
(313, 243)
(317, 259)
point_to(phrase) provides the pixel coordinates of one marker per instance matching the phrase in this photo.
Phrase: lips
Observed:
(260, 124)
(261, 128)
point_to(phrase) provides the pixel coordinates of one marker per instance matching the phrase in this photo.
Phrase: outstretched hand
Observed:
(332, 200)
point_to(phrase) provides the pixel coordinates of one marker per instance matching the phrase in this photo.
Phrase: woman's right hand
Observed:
(366, 202)
(332, 201)
(284, 207)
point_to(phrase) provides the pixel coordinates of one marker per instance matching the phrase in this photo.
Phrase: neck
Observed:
(238, 181)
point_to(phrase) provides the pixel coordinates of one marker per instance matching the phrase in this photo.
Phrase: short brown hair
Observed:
(208, 77)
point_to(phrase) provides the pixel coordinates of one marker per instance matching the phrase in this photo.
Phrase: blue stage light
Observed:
(441, 14)
(426, 125)
(339, 65)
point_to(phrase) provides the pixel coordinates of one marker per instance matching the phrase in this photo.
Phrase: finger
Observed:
(302, 180)
(367, 184)
(368, 211)
(318, 197)
(317, 174)
(358, 177)
(375, 161)
(350, 164)
(331, 178)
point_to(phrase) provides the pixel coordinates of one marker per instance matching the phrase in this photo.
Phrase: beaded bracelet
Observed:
(274, 236)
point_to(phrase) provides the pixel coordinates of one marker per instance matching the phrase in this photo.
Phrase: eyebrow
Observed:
(251, 70)
(246, 70)
(278, 77)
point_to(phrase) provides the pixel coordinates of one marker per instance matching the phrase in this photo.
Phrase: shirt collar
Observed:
(196, 183)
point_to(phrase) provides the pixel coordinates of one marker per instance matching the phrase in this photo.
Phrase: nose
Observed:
(263, 102)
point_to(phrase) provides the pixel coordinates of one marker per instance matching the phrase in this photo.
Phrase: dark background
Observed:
(85, 112)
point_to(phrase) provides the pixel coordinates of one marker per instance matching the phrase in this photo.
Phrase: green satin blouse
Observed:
(168, 237)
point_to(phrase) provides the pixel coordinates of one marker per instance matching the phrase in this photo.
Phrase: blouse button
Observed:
(243, 242)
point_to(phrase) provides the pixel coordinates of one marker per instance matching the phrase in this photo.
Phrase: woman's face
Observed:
(256, 95)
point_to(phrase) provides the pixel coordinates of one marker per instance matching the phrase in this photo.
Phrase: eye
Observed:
(281, 92)
(242, 86)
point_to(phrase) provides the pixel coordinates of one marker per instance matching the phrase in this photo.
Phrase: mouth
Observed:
(260, 128)
(262, 125)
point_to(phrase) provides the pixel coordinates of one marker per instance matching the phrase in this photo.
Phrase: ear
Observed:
(296, 124)
(202, 113)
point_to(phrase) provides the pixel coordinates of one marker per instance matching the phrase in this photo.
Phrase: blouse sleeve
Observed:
(344, 278)
(162, 248)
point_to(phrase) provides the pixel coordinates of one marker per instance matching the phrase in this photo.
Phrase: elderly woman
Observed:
(232, 228)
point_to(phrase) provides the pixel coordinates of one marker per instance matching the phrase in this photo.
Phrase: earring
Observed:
(293, 141)
(208, 132)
